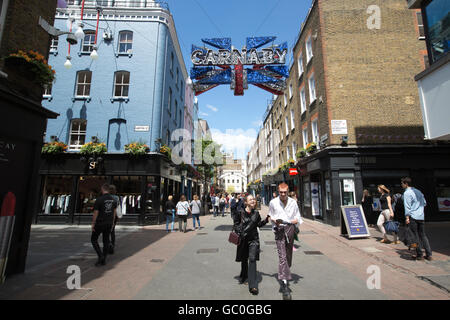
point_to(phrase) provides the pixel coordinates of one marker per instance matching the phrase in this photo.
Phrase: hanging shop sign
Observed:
(225, 65)
(293, 172)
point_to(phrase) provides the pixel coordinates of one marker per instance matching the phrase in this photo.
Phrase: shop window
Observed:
(129, 191)
(307, 194)
(348, 192)
(443, 198)
(328, 194)
(56, 195)
(89, 189)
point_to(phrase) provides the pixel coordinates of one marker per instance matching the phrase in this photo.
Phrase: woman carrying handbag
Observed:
(182, 212)
(246, 223)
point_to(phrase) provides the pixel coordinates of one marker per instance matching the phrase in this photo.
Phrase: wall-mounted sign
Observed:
(444, 204)
(214, 67)
(338, 126)
(293, 172)
(141, 128)
(355, 224)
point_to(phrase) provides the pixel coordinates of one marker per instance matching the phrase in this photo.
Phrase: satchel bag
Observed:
(391, 226)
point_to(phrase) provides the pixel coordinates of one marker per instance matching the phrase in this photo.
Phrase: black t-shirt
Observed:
(169, 207)
(105, 205)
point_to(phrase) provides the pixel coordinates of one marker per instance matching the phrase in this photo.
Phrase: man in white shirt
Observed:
(284, 214)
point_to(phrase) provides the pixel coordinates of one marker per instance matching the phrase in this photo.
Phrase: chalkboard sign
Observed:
(353, 222)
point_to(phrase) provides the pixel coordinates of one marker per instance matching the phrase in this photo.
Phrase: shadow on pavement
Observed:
(50, 282)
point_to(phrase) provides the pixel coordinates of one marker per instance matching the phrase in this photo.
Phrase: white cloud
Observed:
(203, 114)
(236, 141)
(212, 108)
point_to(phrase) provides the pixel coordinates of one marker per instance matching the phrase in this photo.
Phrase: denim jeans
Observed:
(196, 216)
(418, 229)
(248, 271)
(170, 218)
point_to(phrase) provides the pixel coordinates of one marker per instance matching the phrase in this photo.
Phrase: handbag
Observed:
(235, 238)
(391, 226)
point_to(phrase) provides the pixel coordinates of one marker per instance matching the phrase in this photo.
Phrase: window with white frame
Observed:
(88, 43)
(300, 65)
(315, 131)
(47, 90)
(125, 42)
(121, 84)
(420, 25)
(77, 134)
(285, 100)
(292, 119)
(83, 88)
(312, 89)
(290, 90)
(288, 153)
(309, 51)
(287, 125)
(305, 137)
(294, 151)
(169, 103)
(303, 100)
(54, 45)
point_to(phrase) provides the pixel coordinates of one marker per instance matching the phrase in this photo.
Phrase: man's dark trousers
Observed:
(105, 230)
(418, 228)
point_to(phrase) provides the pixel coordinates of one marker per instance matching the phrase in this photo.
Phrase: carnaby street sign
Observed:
(214, 67)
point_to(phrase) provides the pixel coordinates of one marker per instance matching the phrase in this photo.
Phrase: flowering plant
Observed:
(93, 148)
(136, 148)
(301, 153)
(54, 147)
(311, 147)
(165, 150)
(37, 64)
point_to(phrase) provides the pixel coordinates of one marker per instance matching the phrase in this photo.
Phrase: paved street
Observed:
(199, 265)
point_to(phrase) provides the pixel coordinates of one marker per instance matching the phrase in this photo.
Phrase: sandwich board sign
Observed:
(353, 222)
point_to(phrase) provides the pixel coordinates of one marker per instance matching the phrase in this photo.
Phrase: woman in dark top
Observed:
(387, 213)
(367, 202)
(246, 222)
(170, 213)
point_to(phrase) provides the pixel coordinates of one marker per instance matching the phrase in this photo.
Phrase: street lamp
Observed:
(94, 54)
(68, 64)
(80, 33)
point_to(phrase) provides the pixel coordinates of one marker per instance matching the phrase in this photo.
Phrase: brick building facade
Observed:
(354, 66)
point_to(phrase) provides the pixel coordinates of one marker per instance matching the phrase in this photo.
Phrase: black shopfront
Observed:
(70, 184)
(337, 176)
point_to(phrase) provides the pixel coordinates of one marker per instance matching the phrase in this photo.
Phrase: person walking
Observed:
(117, 216)
(414, 204)
(246, 224)
(387, 213)
(196, 205)
(170, 213)
(182, 212)
(367, 202)
(284, 215)
(222, 203)
(102, 222)
(216, 205)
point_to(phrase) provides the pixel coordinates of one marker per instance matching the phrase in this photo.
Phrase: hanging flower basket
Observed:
(301, 153)
(92, 148)
(32, 66)
(311, 147)
(137, 148)
(55, 147)
(166, 151)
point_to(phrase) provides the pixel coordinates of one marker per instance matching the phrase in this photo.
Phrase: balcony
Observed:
(119, 4)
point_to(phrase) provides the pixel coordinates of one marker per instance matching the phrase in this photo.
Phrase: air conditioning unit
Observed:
(107, 35)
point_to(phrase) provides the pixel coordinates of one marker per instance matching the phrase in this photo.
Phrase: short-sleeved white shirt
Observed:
(182, 208)
(287, 213)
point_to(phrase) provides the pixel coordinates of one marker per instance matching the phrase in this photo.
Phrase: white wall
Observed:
(434, 93)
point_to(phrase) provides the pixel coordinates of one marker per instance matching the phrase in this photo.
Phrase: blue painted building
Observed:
(133, 92)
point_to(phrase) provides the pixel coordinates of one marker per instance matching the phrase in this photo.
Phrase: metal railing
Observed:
(120, 3)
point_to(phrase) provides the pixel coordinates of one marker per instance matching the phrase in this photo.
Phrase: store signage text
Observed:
(293, 172)
(224, 57)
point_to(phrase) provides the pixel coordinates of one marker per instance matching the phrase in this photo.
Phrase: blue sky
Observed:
(235, 120)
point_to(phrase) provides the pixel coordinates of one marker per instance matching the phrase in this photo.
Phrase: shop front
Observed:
(334, 177)
(69, 187)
